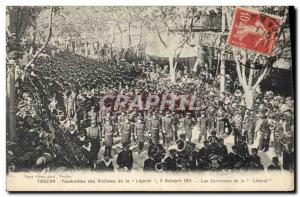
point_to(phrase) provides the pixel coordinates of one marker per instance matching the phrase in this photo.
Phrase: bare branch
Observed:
(251, 72)
(260, 78)
(238, 69)
(45, 44)
(160, 38)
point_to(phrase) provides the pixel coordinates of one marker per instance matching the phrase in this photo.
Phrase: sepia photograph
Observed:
(150, 98)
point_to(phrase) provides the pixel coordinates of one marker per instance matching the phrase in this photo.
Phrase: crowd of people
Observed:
(68, 127)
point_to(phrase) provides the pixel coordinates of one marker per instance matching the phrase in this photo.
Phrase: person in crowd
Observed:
(171, 160)
(168, 129)
(94, 135)
(204, 152)
(86, 149)
(125, 131)
(125, 158)
(72, 133)
(140, 134)
(202, 126)
(155, 127)
(80, 139)
(105, 165)
(107, 131)
(265, 132)
(275, 164)
(188, 126)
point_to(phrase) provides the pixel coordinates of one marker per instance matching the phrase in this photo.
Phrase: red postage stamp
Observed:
(254, 31)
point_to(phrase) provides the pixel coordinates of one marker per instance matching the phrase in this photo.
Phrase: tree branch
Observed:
(251, 72)
(45, 44)
(238, 69)
(160, 38)
(260, 78)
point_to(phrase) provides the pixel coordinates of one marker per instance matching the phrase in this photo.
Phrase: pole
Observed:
(12, 100)
(222, 66)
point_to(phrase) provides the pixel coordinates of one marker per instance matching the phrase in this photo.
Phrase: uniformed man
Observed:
(202, 126)
(168, 129)
(121, 119)
(140, 134)
(93, 115)
(203, 156)
(160, 118)
(114, 123)
(175, 118)
(125, 131)
(210, 121)
(72, 133)
(278, 131)
(148, 118)
(125, 158)
(86, 149)
(193, 158)
(242, 147)
(237, 125)
(265, 132)
(94, 135)
(105, 165)
(275, 164)
(249, 128)
(80, 139)
(171, 160)
(107, 131)
(220, 124)
(255, 164)
(155, 127)
(213, 136)
(160, 151)
(254, 155)
(188, 126)
(151, 161)
(235, 160)
(223, 152)
(214, 147)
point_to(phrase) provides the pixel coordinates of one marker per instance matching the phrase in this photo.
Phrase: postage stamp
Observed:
(254, 31)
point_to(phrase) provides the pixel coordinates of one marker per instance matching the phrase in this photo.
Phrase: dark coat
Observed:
(102, 166)
(149, 165)
(171, 163)
(125, 159)
(273, 167)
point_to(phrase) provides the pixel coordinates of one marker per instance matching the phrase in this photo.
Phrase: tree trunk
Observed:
(12, 101)
(222, 73)
(172, 70)
(210, 58)
(249, 96)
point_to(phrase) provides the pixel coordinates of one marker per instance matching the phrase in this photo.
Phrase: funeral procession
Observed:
(173, 89)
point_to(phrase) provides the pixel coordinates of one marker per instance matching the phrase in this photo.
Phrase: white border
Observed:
(4, 3)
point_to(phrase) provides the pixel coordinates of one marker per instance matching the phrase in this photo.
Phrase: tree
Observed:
(252, 67)
(174, 28)
(39, 51)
